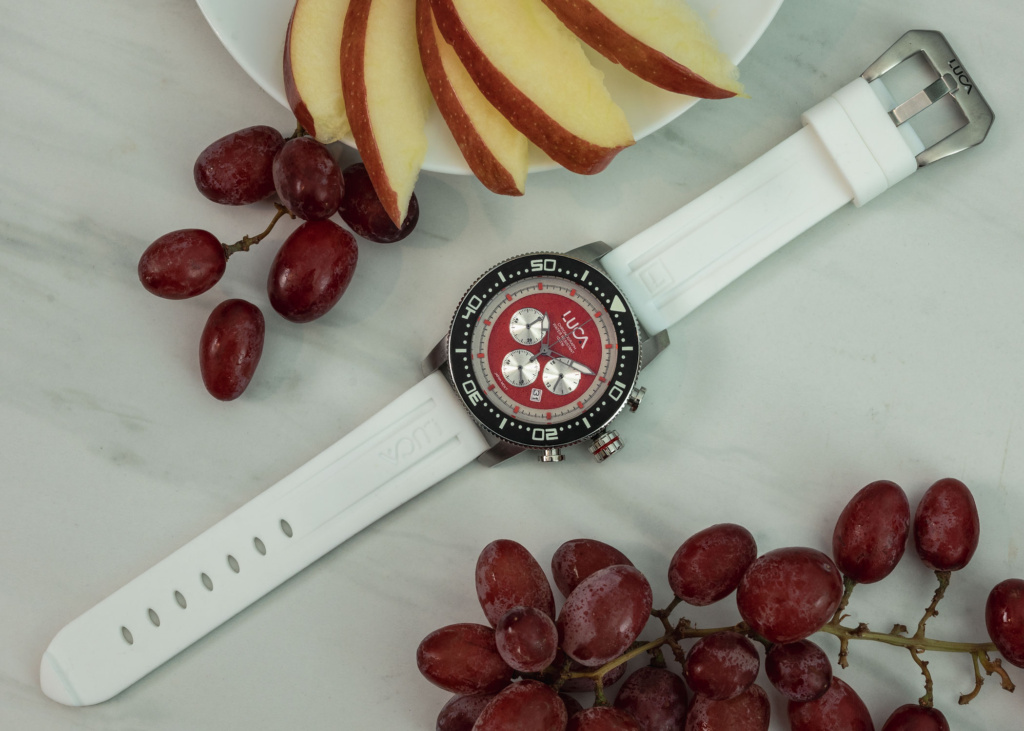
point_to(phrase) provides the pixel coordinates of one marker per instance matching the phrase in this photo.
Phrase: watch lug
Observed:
(437, 359)
(591, 252)
(651, 346)
(499, 451)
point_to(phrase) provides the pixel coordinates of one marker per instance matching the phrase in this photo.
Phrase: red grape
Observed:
(709, 565)
(527, 639)
(838, 709)
(749, 711)
(508, 576)
(230, 348)
(461, 712)
(789, 593)
(913, 717)
(362, 210)
(577, 559)
(182, 264)
(946, 526)
(722, 665)
(1004, 619)
(524, 706)
(307, 179)
(871, 533)
(801, 671)
(463, 659)
(603, 718)
(236, 169)
(312, 270)
(604, 614)
(656, 697)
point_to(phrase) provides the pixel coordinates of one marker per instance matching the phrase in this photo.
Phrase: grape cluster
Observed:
(519, 670)
(311, 270)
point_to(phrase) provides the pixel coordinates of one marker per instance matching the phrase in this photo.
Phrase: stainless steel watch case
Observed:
(651, 345)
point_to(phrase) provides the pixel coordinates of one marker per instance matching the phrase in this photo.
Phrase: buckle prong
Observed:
(953, 81)
(923, 99)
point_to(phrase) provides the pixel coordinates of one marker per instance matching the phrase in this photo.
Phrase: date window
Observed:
(535, 395)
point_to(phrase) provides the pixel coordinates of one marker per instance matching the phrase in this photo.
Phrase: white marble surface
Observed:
(884, 343)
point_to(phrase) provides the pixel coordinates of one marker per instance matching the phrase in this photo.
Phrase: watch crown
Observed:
(636, 397)
(552, 454)
(606, 444)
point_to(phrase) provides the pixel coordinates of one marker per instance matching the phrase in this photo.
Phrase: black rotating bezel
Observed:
(581, 425)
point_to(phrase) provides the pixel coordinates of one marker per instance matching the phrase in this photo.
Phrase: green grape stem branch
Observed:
(246, 242)
(917, 644)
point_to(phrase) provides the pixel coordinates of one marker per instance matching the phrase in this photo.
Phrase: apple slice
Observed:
(312, 68)
(664, 43)
(496, 152)
(386, 96)
(535, 72)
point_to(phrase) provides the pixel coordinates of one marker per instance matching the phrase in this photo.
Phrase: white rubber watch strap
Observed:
(848, 150)
(416, 441)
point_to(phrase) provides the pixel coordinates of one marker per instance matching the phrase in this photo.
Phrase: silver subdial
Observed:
(520, 368)
(561, 379)
(527, 326)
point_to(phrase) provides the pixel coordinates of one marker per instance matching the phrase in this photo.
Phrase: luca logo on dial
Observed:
(575, 328)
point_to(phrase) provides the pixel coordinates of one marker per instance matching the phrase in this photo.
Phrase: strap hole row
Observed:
(261, 548)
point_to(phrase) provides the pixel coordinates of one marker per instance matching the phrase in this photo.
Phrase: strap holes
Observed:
(287, 529)
(259, 546)
(154, 618)
(233, 563)
(126, 633)
(207, 582)
(180, 598)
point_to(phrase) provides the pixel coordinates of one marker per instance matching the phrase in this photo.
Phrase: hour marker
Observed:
(502, 424)
(585, 422)
(460, 350)
(617, 305)
(501, 277)
(583, 277)
(627, 347)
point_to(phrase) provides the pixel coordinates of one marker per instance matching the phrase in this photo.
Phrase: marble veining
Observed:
(885, 342)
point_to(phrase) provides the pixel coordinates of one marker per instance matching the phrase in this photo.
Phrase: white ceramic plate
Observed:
(253, 33)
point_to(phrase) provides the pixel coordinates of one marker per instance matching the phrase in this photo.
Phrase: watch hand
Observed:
(545, 330)
(572, 363)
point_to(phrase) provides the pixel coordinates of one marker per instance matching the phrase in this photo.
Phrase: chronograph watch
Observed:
(544, 351)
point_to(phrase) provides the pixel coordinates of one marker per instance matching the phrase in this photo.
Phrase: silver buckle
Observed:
(953, 81)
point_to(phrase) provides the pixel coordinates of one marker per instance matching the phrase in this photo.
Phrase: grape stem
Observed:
(931, 611)
(247, 242)
(917, 644)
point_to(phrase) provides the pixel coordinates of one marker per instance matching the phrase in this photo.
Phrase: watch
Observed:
(543, 352)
